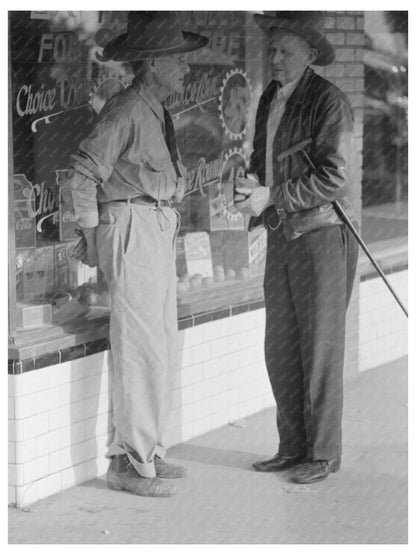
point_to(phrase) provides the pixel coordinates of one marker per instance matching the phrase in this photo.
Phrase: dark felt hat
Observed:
(308, 25)
(151, 35)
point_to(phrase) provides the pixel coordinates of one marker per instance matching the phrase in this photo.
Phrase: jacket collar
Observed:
(302, 87)
(297, 95)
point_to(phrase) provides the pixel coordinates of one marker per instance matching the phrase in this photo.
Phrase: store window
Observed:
(385, 147)
(58, 86)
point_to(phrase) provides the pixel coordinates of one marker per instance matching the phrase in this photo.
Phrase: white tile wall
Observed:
(35, 381)
(74, 475)
(15, 472)
(383, 333)
(60, 416)
(96, 467)
(26, 450)
(34, 426)
(10, 408)
(15, 385)
(35, 469)
(11, 451)
(11, 495)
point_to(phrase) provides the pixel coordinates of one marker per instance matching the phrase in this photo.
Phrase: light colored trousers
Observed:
(136, 251)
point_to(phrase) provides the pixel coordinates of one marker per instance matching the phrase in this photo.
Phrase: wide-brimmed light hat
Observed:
(308, 25)
(151, 35)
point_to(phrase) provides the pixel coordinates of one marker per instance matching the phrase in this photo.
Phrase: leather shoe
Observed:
(277, 463)
(166, 470)
(315, 471)
(121, 475)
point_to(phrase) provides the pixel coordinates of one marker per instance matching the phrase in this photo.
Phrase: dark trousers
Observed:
(308, 283)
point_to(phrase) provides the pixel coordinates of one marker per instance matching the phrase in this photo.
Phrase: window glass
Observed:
(59, 85)
(385, 185)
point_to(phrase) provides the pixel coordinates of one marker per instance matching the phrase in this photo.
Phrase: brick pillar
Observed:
(345, 30)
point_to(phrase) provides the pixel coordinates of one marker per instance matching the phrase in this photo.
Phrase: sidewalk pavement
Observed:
(223, 501)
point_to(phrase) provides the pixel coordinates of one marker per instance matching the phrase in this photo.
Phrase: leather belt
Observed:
(273, 217)
(145, 199)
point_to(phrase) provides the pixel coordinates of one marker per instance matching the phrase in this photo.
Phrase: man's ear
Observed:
(151, 64)
(313, 55)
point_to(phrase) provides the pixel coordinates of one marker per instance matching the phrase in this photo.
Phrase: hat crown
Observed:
(154, 30)
(308, 25)
(150, 35)
(311, 20)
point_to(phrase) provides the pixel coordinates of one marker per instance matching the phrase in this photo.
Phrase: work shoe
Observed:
(121, 475)
(277, 463)
(315, 471)
(166, 470)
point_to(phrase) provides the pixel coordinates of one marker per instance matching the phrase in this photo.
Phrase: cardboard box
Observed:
(33, 315)
(75, 271)
(24, 212)
(19, 274)
(44, 271)
(236, 249)
(29, 276)
(181, 268)
(222, 213)
(198, 253)
(61, 267)
(25, 225)
(67, 221)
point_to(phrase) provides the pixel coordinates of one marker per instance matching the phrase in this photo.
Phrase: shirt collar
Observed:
(285, 91)
(148, 96)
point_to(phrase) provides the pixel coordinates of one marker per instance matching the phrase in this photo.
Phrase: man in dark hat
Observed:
(129, 167)
(300, 165)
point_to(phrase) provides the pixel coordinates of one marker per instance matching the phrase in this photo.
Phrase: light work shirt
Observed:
(125, 156)
(276, 111)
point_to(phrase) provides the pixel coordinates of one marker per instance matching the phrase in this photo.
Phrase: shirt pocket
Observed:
(157, 163)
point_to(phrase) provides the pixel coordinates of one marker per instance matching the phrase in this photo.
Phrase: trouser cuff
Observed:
(147, 470)
(160, 451)
(324, 455)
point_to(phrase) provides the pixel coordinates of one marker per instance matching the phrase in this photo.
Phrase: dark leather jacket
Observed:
(312, 153)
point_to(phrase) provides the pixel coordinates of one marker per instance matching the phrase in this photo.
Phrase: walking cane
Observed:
(344, 217)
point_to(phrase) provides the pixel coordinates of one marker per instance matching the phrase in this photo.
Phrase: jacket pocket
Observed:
(298, 223)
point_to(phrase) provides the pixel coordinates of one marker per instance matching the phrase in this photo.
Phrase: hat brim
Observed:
(326, 52)
(119, 50)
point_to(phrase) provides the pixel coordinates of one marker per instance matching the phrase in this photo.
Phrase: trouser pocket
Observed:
(116, 221)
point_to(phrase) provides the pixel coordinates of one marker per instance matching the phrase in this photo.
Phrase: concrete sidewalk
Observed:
(223, 501)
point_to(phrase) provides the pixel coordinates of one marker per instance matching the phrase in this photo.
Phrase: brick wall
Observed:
(345, 30)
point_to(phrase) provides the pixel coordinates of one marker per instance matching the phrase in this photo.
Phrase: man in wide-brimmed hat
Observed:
(300, 165)
(130, 166)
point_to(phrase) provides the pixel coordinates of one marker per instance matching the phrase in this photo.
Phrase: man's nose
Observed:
(277, 57)
(185, 67)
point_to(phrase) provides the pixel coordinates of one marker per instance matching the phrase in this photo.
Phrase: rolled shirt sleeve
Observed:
(125, 156)
(93, 164)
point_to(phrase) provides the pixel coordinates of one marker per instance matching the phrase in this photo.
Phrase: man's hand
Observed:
(86, 248)
(254, 200)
